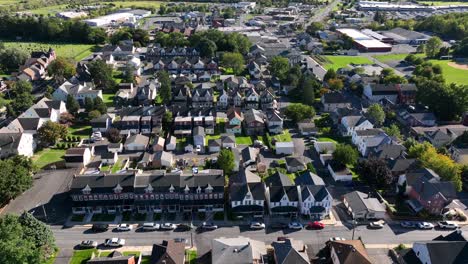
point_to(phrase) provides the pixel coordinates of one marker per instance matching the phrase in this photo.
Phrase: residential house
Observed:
(115, 257)
(267, 100)
(294, 164)
(349, 252)
(407, 93)
(362, 206)
(254, 70)
(77, 157)
(109, 158)
(370, 143)
(102, 193)
(425, 189)
(238, 250)
(282, 196)
(315, 201)
(162, 159)
(354, 123)
(284, 148)
(147, 93)
(290, 251)
(414, 119)
(459, 154)
(388, 151)
(358, 136)
(115, 147)
(168, 252)
(130, 125)
(158, 144)
(136, 143)
(333, 101)
(182, 126)
(254, 122)
(120, 51)
(223, 99)
(307, 128)
(35, 68)
(171, 143)
(247, 197)
(214, 145)
(79, 91)
(16, 144)
(199, 136)
(436, 251)
(202, 98)
(324, 147)
(274, 122)
(252, 99)
(235, 118)
(439, 135)
(228, 141)
(249, 156)
(400, 166)
(102, 123)
(338, 171)
(375, 92)
(125, 94)
(309, 178)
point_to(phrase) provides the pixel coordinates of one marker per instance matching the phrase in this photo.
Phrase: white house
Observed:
(376, 92)
(286, 148)
(228, 141)
(247, 198)
(171, 143)
(223, 99)
(339, 172)
(358, 136)
(373, 142)
(109, 158)
(294, 164)
(16, 144)
(324, 147)
(282, 199)
(77, 157)
(199, 137)
(353, 123)
(315, 201)
(136, 143)
(115, 147)
(78, 90)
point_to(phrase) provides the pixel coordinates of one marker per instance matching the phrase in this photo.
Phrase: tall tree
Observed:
(61, 69)
(128, 74)
(50, 132)
(298, 112)
(207, 48)
(279, 67)
(165, 89)
(89, 104)
(15, 178)
(314, 27)
(309, 85)
(234, 61)
(433, 46)
(330, 74)
(72, 105)
(345, 154)
(226, 161)
(393, 131)
(375, 172)
(101, 74)
(99, 105)
(376, 114)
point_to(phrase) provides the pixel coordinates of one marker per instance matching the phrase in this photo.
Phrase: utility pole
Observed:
(354, 227)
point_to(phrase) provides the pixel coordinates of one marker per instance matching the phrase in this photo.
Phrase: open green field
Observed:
(442, 3)
(395, 57)
(82, 131)
(336, 62)
(48, 156)
(244, 140)
(451, 74)
(145, 4)
(74, 51)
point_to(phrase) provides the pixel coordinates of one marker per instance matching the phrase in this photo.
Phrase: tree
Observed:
(128, 74)
(421, 48)
(314, 27)
(376, 114)
(61, 68)
(298, 112)
(24, 239)
(433, 46)
(15, 178)
(99, 105)
(279, 67)
(345, 154)
(375, 172)
(165, 89)
(113, 134)
(309, 85)
(93, 114)
(89, 104)
(101, 74)
(49, 92)
(50, 132)
(72, 105)
(330, 74)
(393, 131)
(226, 161)
(234, 61)
(25, 162)
(207, 48)
(335, 84)
(167, 121)
(12, 58)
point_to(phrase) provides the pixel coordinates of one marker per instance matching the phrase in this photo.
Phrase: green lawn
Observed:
(208, 137)
(244, 140)
(191, 256)
(452, 75)
(117, 166)
(48, 156)
(325, 139)
(395, 57)
(442, 3)
(337, 62)
(108, 99)
(284, 137)
(82, 131)
(81, 256)
(74, 51)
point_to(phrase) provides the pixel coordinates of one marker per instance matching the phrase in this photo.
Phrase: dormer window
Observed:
(149, 189)
(209, 189)
(86, 189)
(171, 189)
(118, 189)
(198, 189)
(187, 189)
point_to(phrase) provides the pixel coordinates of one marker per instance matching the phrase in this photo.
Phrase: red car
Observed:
(315, 225)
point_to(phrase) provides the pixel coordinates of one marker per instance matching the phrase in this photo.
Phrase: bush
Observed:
(76, 138)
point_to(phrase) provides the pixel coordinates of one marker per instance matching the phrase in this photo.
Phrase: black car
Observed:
(183, 227)
(279, 226)
(100, 227)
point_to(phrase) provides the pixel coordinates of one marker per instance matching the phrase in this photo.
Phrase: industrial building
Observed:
(377, 36)
(110, 19)
(363, 42)
(404, 36)
(387, 6)
(71, 15)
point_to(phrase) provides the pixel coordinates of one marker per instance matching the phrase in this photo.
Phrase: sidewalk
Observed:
(389, 246)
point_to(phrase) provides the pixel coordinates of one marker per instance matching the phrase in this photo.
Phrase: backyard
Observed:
(82, 131)
(48, 156)
(74, 51)
(108, 99)
(244, 140)
(81, 256)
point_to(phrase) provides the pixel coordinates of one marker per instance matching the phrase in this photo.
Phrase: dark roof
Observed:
(450, 252)
(401, 165)
(334, 98)
(309, 178)
(29, 123)
(249, 153)
(278, 179)
(75, 152)
(294, 161)
(107, 155)
(388, 151)
(285, 253)
(214, 142)
(169, 252)
(198, 131)
(319, 192)
(457, 235)
(237, 191)
(9, 140)
(113, 258)
(359, 202)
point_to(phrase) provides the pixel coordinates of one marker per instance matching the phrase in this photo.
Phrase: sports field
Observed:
(336, 62)
(451, 74)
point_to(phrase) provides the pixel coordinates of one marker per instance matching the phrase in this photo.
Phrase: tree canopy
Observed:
(15, 177)
(279, 67)
(50, 132)
(345, 154)
(298, 112)
(375, 172)
(61, 68)
(165, 89)
(376, 114)
(226, 161)
(234, 61)
(102, 75)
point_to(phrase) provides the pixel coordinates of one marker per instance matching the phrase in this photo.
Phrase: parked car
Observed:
(425, 225)
(114, 242)
(100, 227)
(257, 225)
(168, 226)
(150, 226)
(376, 225)
(209, 226)
(315, 225)
(88, 244)
(336, 239)
(447, 225)
(407, 224)
(97, 136)
(295, 225)
(183, 227)
(279, 225)
(124, 227)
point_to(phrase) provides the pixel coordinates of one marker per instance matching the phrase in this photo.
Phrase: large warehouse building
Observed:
(363, 42)
(110, 19)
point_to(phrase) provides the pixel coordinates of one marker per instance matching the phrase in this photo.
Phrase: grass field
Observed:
(336, 62)
(108, 99)
(283, 137)
(191, 256)
(452, 75)
(74, 51)
(82, 131)
(441, 3)
(145, 4)
(81, 256)
(395, 57)
(246, 140)
(48, 156)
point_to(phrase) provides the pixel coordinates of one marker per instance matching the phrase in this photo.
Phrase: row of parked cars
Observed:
(426, 225)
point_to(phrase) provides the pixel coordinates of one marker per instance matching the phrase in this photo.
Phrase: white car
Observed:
(448, 225)
(198, 148)
(425, 225)
(97, 136)
(114, 242)
(150, 226)
(168, 226)
(257, 225)
(295, 225)
(376, 225)
(209, 226)
(124, 227)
